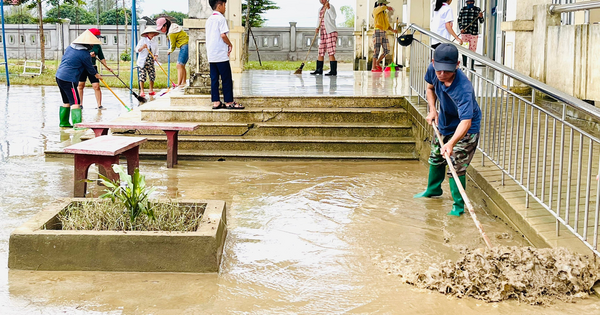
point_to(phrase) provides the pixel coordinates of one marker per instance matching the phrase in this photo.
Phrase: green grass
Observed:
(48, 75)
(108, 216)
(282, 65)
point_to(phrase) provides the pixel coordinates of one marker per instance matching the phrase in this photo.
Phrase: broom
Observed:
(139, 98)
(299, 70)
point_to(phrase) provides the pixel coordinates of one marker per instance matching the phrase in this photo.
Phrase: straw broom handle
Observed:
(128, 109)
(462, 190)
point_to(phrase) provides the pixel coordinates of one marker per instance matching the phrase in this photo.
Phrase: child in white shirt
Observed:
(145, 60)
(218, 48)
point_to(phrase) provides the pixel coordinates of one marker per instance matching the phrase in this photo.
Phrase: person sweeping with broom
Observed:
(329, 37)
(75, 60)
(458, 122)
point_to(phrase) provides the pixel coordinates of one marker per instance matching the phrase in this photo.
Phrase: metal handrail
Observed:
(548, 155)
(572, 7)
(537, 85)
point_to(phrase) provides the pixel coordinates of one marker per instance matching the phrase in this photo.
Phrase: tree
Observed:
(348, 13)
(111, 17)
(178, 16)
(257, 7)
(20, 15)
(76, 14)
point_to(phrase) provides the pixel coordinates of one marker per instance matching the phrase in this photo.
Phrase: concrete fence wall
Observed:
(292, 43)
(23, 41)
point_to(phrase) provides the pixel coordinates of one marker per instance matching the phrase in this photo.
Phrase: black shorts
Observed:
(68, 92)
(86, 75)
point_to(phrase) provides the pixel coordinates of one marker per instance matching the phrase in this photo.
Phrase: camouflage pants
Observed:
(462, 153)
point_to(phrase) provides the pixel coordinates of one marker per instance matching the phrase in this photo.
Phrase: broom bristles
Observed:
(299, 71)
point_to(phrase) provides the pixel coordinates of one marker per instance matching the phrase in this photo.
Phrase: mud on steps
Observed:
(530, 275)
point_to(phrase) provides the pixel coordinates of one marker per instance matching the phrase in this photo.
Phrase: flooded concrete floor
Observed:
(304, 237)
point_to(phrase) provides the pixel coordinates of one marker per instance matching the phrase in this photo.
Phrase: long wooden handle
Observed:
(462, 190)
(128, 109)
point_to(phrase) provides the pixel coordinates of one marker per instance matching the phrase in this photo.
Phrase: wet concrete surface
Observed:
(304, 237)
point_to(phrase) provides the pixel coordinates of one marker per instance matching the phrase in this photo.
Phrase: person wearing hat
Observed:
(179, 39)
(145, 60)
(458, 122)
(75, 60)
(382, 25)
(95, 51)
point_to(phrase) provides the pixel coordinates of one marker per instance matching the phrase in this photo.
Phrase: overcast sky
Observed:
(302, 11)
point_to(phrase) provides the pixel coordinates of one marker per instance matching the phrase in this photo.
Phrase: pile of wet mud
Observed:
(530, 275)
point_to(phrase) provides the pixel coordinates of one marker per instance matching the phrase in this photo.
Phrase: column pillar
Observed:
(293, 36)
(542, 19)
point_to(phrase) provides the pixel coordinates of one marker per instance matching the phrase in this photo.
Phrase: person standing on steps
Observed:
(218, 49)
(469, 18)
(179, 39)
(382, 25)
(458, 122)
(442, 22)
(329, 38)
(96, 51)
(75, 60)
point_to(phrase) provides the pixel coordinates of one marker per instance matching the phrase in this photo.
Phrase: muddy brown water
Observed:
(304, 237)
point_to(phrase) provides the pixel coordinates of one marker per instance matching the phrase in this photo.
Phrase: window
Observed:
(275, 41)
(1, 39)
(115, 39)
(11, 39)
(159, 40)
(33, 39)
(265, 42)
(22, 39)
(339, 42)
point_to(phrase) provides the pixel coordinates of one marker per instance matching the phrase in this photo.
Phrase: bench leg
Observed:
(100, 132)
(82, 165)
(172, 139)
(133, 159)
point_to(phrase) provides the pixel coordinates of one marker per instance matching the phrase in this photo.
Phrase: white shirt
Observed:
(216, 48)
(329, 18)
(142, 55)
(438, 23)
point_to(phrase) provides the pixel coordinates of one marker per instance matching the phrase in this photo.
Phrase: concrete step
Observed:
(285, 144)
(222, 155)
(330, 130)
(283, 129)
(254, 115)
(297, 101)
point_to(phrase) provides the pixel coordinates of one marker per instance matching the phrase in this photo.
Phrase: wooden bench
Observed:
(171, 129)
(103, 151)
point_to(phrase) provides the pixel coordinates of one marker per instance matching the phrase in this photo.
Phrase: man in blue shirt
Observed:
(458, 122)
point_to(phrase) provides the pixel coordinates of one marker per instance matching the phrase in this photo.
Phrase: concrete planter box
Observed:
(32, 247)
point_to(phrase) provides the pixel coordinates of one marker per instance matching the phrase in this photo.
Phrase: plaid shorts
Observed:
(381, 40)
(148, 70)
(462, 153)
(328, 43)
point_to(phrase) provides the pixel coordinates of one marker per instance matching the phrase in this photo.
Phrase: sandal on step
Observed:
(220, 106)
(235, 105)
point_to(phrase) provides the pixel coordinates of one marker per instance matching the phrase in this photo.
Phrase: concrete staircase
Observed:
(285, 128)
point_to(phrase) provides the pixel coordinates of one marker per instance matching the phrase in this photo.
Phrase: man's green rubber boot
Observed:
(458, 207)
(64, 113)
(76, 116)
(434, 184)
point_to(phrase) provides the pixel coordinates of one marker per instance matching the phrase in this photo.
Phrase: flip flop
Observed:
(235, 105)
(152, 93)
(220, 106)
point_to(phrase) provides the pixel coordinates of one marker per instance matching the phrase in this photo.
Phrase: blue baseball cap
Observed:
(445, 58)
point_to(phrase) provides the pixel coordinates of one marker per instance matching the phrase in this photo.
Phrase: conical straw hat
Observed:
(87, 38)
(149, 30)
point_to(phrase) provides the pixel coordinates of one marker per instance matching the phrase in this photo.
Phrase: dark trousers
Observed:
(222, 69)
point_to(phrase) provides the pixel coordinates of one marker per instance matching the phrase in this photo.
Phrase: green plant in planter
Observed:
(132, 192)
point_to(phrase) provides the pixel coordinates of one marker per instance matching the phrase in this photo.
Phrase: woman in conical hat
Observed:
(145, 60)
(75, 59)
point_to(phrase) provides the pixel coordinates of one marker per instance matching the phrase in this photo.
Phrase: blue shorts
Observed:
(183, 57)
